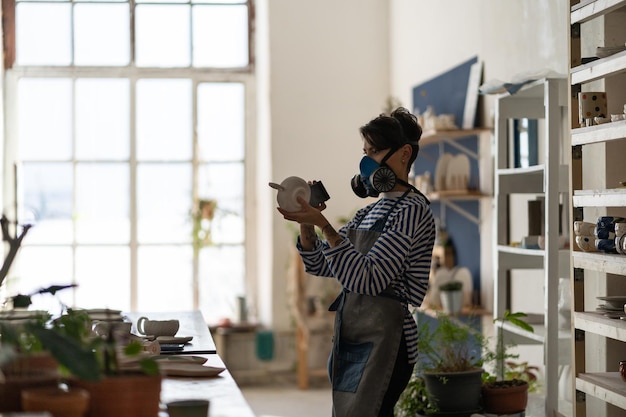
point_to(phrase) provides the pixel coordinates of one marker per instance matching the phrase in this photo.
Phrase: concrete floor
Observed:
(281, 397)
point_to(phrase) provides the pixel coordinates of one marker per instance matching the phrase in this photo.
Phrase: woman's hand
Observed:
(307, 215)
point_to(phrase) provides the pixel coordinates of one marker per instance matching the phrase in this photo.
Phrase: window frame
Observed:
(244, 75)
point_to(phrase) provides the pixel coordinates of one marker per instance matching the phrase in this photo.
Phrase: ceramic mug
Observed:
(591, 104)
(188, 408)
(620, 229)
(157, 328)
(586, 243)
(582, 228)
(102, 328)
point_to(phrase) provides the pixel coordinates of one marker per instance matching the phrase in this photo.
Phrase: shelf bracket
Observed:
(459, 210)
(460, 147)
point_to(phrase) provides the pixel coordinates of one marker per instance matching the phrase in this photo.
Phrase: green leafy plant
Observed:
(448, 346)
(69, 340)
(451, 286)
(507, 370)
(414, 399)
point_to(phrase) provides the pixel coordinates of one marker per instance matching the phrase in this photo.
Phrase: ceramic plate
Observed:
(614, 301)
(457, 172)
(198, 360)
(441, 170)
(173, 339)
(103, 311)
(105, 317)
(294, 187)
(188, 369)
(21, 314)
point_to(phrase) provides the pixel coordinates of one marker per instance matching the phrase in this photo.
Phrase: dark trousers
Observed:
(402, 372)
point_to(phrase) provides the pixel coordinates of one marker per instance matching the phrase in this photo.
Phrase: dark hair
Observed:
(394, 130)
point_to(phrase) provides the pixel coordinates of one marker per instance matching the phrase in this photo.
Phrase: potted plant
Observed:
(450, 363)
(506, 391)
(84, 360)
(451, 294)
(414, 400)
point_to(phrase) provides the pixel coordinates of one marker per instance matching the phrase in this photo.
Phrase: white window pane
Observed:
(102, 119)
(43, 34)
(221, 281)
(164, 203)
(102, 203)
(47, 202)
(164, 119)
(224, 184)
(39, 267)
(221, 1)
(162, 36)
(164, 278)
(220, 36)
(221, 121)
(103, 277)
(45, 118)
(101, 34)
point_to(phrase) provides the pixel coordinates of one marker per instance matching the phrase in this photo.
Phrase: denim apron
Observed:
(368, 331)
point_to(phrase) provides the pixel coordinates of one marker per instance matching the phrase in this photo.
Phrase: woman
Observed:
(382, 260)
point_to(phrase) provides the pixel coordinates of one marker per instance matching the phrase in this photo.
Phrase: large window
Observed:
(127, 133)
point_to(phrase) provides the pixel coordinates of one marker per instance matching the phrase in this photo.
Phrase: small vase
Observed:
(452, 301)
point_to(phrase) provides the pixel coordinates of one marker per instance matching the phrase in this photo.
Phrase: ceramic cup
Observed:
(583, 228)
(157, 328)
(620, 243)
(102, 328)
(590, 105)
(188, 408)
(620, 229)
(587, 243)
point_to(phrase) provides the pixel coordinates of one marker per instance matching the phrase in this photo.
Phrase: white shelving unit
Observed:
(544, 99)
(605, 74)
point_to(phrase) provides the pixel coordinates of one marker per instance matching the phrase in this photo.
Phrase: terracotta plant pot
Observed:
(11, 389)
(126, 395)
(60, 403)
(505, 397)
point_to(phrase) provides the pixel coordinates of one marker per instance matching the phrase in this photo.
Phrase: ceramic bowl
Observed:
(587, 243)
(291, 189)
(582, 228)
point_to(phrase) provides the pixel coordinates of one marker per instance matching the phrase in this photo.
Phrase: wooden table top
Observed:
(192, 323)
(226, 399)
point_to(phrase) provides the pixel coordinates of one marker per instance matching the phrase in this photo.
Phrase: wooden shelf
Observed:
(596, 323)
(607, 386)
(438, 136)
(601, 133)
(601, 68)
(602, 262)
(590, 9)
(456, 195)
(614, 197)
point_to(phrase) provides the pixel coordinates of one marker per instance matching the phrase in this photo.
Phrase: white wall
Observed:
(328, 75)
(333, 64)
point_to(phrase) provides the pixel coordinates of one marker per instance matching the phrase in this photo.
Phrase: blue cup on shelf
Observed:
(606, 245)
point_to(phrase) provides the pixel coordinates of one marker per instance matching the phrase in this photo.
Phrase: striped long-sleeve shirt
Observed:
(401, 255)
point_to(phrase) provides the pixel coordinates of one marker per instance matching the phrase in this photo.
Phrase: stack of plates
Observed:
(604, 51)
(22, 314)
(104, 314)
(613, 306)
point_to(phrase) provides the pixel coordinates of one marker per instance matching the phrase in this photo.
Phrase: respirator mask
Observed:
(374, 178)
